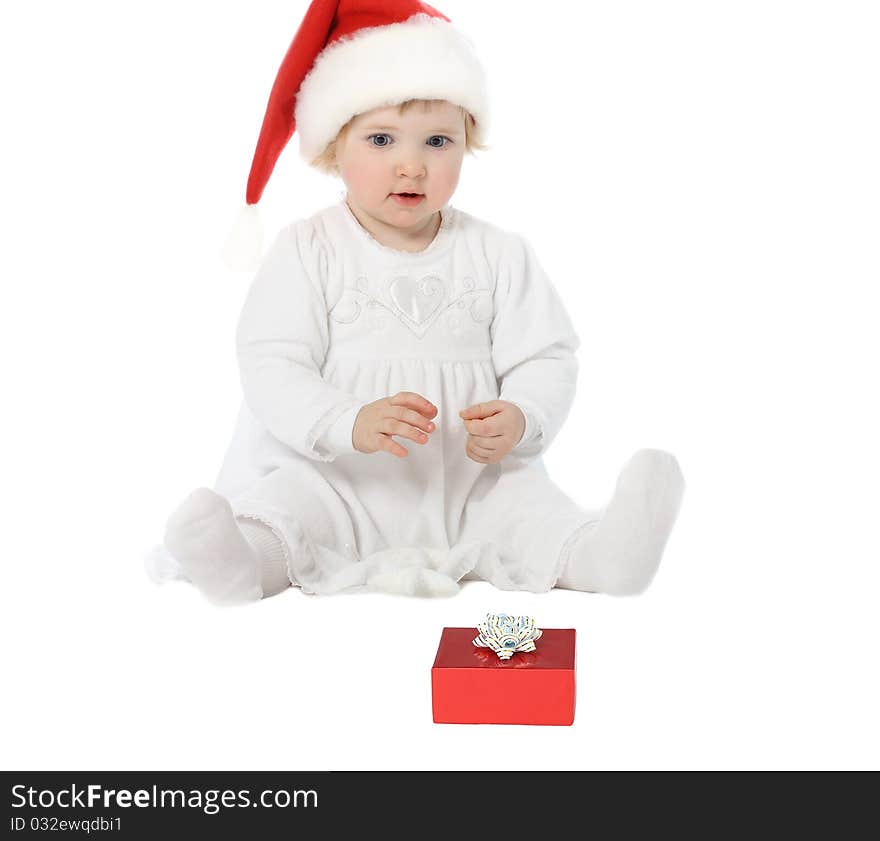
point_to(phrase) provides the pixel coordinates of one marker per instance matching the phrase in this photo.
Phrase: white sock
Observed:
(205, 539)
(620, 553)
(273, 558)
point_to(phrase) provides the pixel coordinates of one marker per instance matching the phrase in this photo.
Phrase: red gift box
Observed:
(471, 685)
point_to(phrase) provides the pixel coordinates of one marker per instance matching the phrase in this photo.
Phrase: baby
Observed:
(392, 315)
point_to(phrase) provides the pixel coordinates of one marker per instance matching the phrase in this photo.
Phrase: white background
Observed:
(701, 181)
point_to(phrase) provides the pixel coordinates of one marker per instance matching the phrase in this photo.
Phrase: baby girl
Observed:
(392, 316)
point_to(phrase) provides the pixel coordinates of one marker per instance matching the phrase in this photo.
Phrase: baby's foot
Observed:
(204, 538)
(622, 551)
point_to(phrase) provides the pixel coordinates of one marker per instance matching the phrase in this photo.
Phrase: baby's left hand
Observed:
(494, 429)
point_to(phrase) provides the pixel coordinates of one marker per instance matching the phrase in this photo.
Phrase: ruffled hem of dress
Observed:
(410, 570)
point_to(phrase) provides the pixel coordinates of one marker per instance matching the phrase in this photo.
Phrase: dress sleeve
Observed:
(281, 342)
(533, 347)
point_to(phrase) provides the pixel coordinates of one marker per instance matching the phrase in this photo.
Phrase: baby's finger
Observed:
(414, 401)
(488, 444)
(472, 452)
(484, 428)
(413, 418)
(482, 410)
(386, 442)
(392, 426)
(479, 449)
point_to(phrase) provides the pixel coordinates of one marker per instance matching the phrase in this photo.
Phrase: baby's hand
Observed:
(406, 414)
(494, 429)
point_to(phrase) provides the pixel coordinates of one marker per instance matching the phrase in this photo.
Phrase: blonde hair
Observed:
(326, 162)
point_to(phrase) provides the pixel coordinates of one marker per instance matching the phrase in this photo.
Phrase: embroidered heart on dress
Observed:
(418, 299)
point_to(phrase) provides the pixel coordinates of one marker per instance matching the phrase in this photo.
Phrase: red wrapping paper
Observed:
(471, 685)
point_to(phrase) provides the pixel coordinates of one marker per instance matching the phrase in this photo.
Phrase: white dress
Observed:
(334, 320)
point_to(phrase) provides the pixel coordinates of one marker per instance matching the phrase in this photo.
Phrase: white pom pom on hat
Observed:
(348, 57)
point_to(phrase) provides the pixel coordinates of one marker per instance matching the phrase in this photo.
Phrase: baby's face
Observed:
(385, 152)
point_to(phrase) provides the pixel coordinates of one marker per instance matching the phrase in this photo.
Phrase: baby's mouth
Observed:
(408, 199)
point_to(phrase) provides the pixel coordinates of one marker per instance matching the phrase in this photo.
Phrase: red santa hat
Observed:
(348, 57)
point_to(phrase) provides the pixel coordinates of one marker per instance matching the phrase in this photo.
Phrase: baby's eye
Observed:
(380, 145)
(441, 137)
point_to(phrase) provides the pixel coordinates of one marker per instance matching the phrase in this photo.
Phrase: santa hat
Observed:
(348, 57)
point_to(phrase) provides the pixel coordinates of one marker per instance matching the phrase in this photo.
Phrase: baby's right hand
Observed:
(406, 414)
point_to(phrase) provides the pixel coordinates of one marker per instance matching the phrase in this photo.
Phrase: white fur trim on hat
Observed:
(422, 58)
